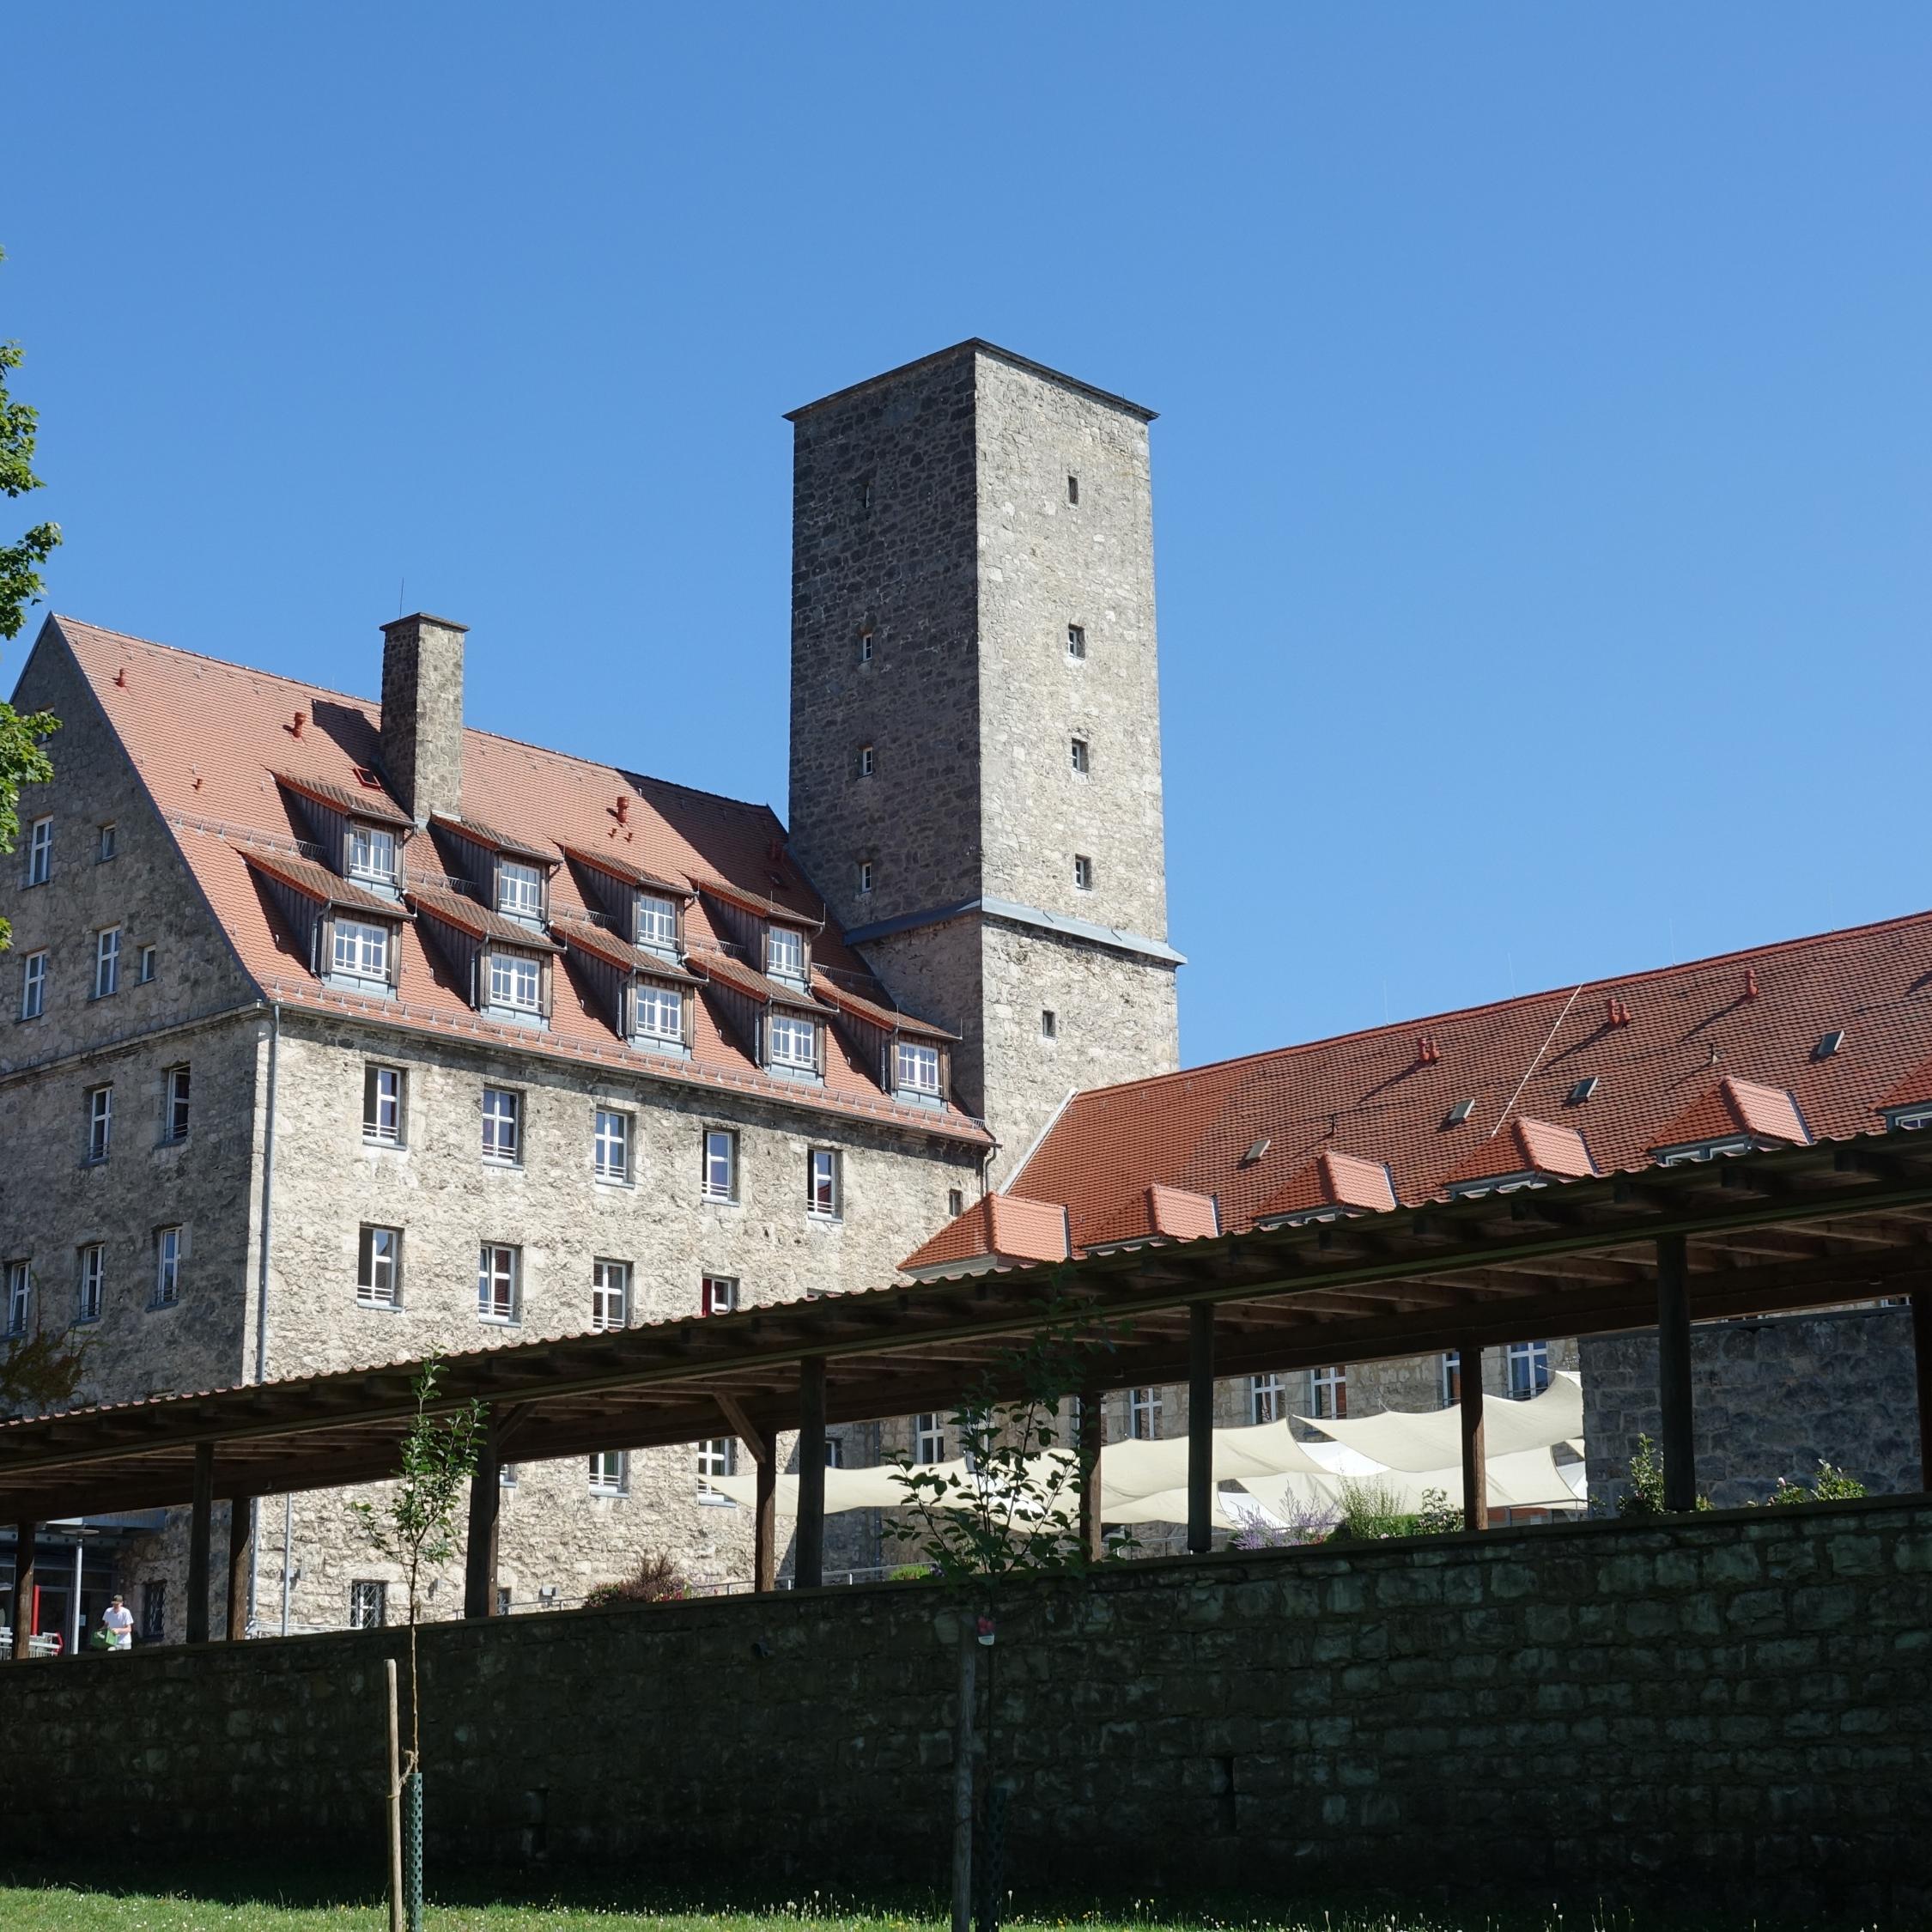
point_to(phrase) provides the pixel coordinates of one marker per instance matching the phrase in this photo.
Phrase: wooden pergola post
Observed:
(241, 1545)
(1678, 1441)
(1200, 1428)
(486, 1509)
(809, 1567)
(762, 1446)
(1922, 1361)
(200, 1524)
(25, 1537)
(1093, 1437)
(1475, 1464)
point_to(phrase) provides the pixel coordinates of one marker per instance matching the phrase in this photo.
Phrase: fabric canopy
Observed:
(1433, 1438)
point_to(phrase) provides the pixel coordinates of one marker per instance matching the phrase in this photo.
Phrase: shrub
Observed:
(1371, 1509)
(1438, 1516)
(1832, 1486)
(657, 1579)
(1645, 1496)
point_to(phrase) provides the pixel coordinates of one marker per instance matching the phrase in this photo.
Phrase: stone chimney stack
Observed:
(423, 714)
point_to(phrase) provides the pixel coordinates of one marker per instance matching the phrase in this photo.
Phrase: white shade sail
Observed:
(1433, 1438)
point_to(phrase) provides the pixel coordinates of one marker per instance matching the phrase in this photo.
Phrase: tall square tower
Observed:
(975, 717)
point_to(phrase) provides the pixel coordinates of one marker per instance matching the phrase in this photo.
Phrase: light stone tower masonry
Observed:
(976, 782)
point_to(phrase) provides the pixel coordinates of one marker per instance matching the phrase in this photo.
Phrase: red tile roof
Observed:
(605, 944)
(207, 739)
(1917, 1087)
(319, 884)
(469, 915)
(357, 801)
(1732, 1107)
(622, 869)
(750, 982)
(1000, 1227)
(1332, 1180)
(887, 1018)
(506, 842)
(1526, 1146)
(780, 897)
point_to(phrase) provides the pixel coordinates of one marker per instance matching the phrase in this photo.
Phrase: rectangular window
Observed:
(107, 962)
(1073, 489)
(372, 853)
(929, 1439)
(1327, 1393)
(100, 1122)
(39, 852)
(382, 1105)
(865, 647)
(1452, 1376)
(660, 1011)
(145, 973)
(368, 1606)
(105, 844)
(657, 923)
(519, 889)
(20, 1283)
(1076, 641)
(1083, 872)
(496, 1284)
(868, 760)
(1049, 1023)
(153, 1610)
(718, 1295)
(721, 1164)
(610, 1295)
(93, 1281)
(1264, 1399)
(835, 1452)
(956, 1203)
(865, 875)
(822, 1181)
(1080, 757)
(516, 982)
(1530, 1369)
(716, 1456)
(503, 1125)
(34, 985)
(794, 1041)
(167, 1267)
(610, 1472)
(611, 1155)
(918, 1069)
(174, 1103)
(783, 953)
(1144, 1414)
(362, 950)
(378, 1267)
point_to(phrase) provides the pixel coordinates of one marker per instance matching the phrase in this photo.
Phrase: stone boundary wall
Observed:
(1738, 1704)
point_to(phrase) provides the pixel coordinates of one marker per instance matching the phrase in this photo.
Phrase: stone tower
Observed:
(975, 718)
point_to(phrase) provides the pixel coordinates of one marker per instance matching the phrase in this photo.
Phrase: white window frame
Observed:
(360, 951)
(956, 1203)
(368, 1604)
(167, 1267)
(519, 889)
(657, 1012)
(1267, 1401)
(720, 1170)
(384, 1112)
(20, 1296)
(34, 985)
(794, 1041)
(1530, 1369)
(929, 1437)
(106, 842)
(144, 971)
(1076, 643)
(372, 852)
(785, 953)
(610, 1472)
(107, 962)
(611, 1138)
(177, 1094)
(1144, 1414)
(39, 851)
(1082, 758)
(1049, 1023)
(1328, 1392)
(101, 1123)
(1451, 1388)
(865, 876)
(1083, 872)
(717, 1455)
(825, 1182)
(502, 1126)
(92, 1281)
(717, 1294)
(516, 982)
(610, 1297)
(500, 1284)
(916, 1068)
(657, 922)
(379, 1267)
(866, 645)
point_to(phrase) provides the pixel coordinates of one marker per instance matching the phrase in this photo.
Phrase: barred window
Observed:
(368, 1606)
(610, 1472)
(502, 1125)
(167, 1267)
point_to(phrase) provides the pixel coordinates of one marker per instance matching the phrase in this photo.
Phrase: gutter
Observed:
(262, 1311)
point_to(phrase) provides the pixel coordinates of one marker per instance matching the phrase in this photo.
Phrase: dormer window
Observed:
(657, 923)
(658, 1013)
(785, 953)
(794, 1043)
(917, 1070)
(361, 951)
(519, 889)
(372, 855)
(516, 983)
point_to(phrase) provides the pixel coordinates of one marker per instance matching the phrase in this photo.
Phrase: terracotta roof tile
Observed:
(1333, 1179)
(1525, 1146)
(506, 842)
(749, 980)
(1732, 1107)
(468, 915)
(779, 901)
(623, 869)
(884, 1016)
(1917, 1087)
(996, 1227)
(608, 945)
(319, 883)
(357, 801)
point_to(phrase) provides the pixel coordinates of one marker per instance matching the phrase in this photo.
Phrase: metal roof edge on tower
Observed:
(978, 345)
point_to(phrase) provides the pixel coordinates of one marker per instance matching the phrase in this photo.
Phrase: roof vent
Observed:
(1255, 1151)
(1750, 982)
(1583, 1089)
(121, 677)
(1615, 1012)
(296, 729)
(1459, 1113)
(367, 779)
(623, 808)
(1427, 1053)
(1829, 1045)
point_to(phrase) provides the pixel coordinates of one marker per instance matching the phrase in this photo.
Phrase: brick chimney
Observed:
(423, 714)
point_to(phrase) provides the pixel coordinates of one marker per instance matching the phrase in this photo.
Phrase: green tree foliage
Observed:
(1645, 1496)
(39, 1374)
(22, 761)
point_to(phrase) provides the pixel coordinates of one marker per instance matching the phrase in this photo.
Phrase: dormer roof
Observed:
(760, 905)
(505, 843)
(468, 915)
(754, 985)
(887, 1018)
(997, 1230)
(1331, 1185)
(624, 870)
(318, 882)
(1524, 1150)
(601, 943)
(1160, 1214)
(1733, 1109)
(353, 802)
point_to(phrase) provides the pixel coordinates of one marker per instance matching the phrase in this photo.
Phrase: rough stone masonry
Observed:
(1737, 1704)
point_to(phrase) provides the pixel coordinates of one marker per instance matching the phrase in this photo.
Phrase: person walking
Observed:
(117, 1620)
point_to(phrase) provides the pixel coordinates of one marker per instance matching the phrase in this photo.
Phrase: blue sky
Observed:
(1542, 481)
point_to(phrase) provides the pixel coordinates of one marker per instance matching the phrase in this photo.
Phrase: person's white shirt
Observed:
(117, 1620)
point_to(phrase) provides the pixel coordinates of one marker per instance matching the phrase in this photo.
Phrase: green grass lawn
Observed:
(235, 1902)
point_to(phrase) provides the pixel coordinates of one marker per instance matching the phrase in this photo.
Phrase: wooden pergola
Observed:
(1758, 1233)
